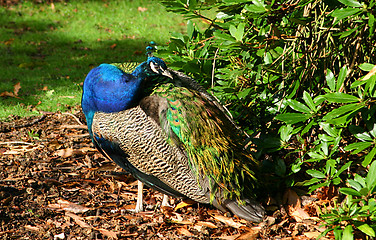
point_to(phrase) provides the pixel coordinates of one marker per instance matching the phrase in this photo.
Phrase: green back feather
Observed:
(213, 147)
(127, 67)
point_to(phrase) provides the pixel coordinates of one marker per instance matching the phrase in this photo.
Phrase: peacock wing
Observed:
(208, 137)
(182, 80)
(133, 140)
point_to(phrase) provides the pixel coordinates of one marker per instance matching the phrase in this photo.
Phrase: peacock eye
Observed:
(154, 67)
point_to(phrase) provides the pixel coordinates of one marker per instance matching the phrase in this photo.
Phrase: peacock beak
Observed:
(167, 74)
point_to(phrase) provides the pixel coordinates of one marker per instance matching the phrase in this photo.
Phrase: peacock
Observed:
(169, 133)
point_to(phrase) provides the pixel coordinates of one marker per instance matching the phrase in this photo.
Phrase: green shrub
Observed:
(299, 78)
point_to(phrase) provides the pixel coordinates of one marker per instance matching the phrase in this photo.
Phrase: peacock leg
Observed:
(139, 206)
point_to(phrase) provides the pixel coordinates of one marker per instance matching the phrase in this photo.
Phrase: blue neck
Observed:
(108, 89)
(140, 71)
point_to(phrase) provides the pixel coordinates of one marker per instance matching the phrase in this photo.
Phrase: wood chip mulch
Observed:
(55, 185)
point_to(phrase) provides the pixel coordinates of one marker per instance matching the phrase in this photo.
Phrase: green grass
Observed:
(42, 46)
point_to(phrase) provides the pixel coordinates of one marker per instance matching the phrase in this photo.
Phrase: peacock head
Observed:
(156, 67)
(109, 89)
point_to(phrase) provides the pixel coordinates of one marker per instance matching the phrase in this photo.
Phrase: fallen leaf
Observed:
(59, 236)
(68, 206)
(74, 126)
(177, 218)
(31, 228)
(8, 42)
(78, 220)
(232, 237)
(184, 231)
(14, 94)
(113, 46)
(16, 88)
(183, 204)
(206, 224)
(107, 233)
(141, 9)
(250, 235)
(298, 214)
(7, 94)
(228, 221)
(312, 234)
(64, 153)
(294, 208)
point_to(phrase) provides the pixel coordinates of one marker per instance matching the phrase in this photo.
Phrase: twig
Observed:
(74, 126)
(16, 142)
(75, 118)
(213, 69)
(32, 123)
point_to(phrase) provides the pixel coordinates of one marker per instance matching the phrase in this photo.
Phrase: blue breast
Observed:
(109, 89)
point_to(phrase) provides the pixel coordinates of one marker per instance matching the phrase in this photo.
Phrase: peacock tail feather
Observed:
(213, 148)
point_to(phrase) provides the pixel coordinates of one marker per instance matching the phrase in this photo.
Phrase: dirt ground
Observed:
(55, 185)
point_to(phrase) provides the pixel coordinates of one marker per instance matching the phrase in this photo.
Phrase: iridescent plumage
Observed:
(172, 135)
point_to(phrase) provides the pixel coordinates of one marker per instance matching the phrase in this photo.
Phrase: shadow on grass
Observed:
(51, 65)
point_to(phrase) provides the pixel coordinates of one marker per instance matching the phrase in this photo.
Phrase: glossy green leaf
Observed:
(297, 106)
(360, 180)
(237, 32)
(308, 100)
(311, 181)
(370, 85)
(357, 83)
(338, 97)
(330, 80)
(343, 168)
(365, 228)
(366, 66)
(350, 191)
(348, 32)
(268, 58)
(315, 173)
(329, 129)
(191, 4)
(371, 176)
(316, 155)
(351, 3)
(348, 233)
(372, 130)
(223, 36)
(244, 93)
(308, 127)
(369, 157)
(190, 29)
(364, 191)
(343, 110)
(292, 118)
(357, 147)
(258, 6)
(344, 13)
(371, 24)
(354, 184)
(364, 136)
(285, 132)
